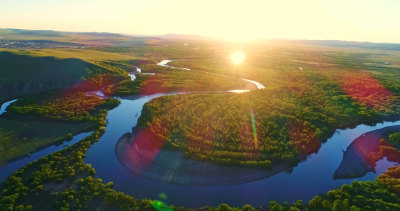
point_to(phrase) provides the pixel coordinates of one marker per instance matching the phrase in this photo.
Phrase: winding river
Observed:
(4, 106)
(191, 183)
(164, 63)
(10, 167)
(313, 176)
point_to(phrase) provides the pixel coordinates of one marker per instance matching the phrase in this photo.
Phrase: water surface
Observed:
(164, 63)
(208, 183)
(309, 178)
(4, 106)
(13, 166)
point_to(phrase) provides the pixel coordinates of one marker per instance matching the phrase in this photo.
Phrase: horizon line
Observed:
(199, 36)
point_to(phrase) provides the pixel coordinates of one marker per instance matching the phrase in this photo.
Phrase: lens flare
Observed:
(365, 152)
(160, 206)
(253, 124)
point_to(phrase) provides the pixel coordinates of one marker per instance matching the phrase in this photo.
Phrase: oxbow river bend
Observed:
(309, 178)
(209, 184)
(212, 184)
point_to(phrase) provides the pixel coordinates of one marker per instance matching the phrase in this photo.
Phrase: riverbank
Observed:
(145, 159)
(363, 153)
(108, 157)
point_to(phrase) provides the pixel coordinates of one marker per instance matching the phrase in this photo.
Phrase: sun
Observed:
(237, 57)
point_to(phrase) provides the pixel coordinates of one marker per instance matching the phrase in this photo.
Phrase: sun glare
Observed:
(237, 57)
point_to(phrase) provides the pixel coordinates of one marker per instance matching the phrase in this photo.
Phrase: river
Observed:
(209, 184)
(12, 166)
(164, 63)
(4, 106)
(212, 184)
(309, 178)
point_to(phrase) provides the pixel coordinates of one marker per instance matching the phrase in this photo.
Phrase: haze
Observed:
(357, 20)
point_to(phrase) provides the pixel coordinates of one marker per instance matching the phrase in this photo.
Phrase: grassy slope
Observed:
(22, 76)
(87, 55)
(106, 197)
(102, 39)
(20, 138)
(29, 73)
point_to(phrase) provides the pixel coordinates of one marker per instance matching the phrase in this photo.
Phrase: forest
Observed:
(294, 114)
(282, 124)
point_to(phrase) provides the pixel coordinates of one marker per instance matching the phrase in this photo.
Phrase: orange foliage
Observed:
(391, 178)
(153, 85)
(366, 89)
(202, 138)
(303, 139)
(390, 152)
(74, 102)
(104, 83)
(299, 84)
(75, 99)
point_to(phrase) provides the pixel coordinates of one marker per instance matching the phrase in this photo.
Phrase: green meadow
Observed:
(310, 91)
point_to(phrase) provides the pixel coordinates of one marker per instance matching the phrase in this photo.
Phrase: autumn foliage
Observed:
(366, 89)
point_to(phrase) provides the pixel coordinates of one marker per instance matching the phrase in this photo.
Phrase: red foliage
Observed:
(366, 89)
(153, 85)
(82, 96)
(104, 83)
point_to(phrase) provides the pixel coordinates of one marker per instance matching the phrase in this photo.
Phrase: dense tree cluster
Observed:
(218, 127)
(73, 104)
(394, 138)
(184, 81)
(62, 181)
(299, 109)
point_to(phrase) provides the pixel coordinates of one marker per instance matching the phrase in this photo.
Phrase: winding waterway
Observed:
(309, 178)
(164, 63)
(4, 106)
(10, 167)
(192, 183)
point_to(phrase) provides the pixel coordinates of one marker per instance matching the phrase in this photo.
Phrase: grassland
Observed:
(24, 75)
(86, 55)
(37, 80)
(51, 84)
(298, 110)
(89, 39)
(283, 123)
(21, 138)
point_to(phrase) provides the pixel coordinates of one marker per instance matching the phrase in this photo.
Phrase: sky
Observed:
(234, 20)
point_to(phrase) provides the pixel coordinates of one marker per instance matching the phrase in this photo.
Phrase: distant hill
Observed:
(141, 39)
(22, 74)
(183, 36)
(102, 34)
(351, 44)
(49, 33)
